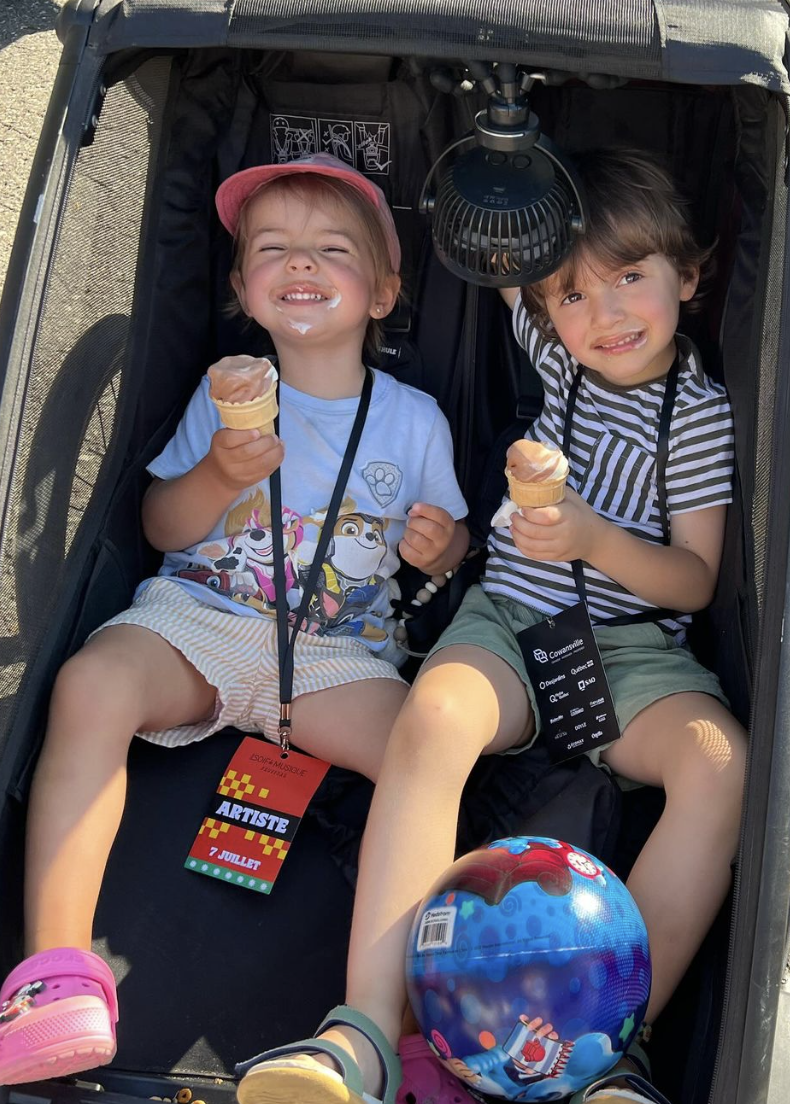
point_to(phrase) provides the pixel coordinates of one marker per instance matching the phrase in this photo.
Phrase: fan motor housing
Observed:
(503, 219)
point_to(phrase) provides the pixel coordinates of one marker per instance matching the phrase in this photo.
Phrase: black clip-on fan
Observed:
(507, 205)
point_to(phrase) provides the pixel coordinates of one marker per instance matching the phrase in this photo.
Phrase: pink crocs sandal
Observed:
(58, 1011)
(425, 1079)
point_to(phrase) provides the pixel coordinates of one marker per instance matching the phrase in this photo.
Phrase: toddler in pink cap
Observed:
(316, 265)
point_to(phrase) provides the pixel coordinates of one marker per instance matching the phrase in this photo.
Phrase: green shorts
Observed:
(643, 664)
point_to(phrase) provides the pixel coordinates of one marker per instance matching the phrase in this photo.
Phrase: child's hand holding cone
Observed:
(244, 391)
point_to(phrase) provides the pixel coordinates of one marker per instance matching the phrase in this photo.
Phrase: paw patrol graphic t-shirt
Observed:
(404, 456)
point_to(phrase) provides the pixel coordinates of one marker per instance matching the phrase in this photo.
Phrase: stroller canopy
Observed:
(688, 41)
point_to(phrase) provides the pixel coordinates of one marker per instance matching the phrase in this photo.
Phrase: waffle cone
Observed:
(547, 492)
(256, 414)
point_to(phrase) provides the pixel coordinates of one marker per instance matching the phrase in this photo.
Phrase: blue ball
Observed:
(528, 968)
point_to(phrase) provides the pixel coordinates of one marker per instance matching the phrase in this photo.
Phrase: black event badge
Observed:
(569, 682)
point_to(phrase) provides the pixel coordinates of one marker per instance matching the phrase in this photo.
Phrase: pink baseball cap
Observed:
(234, 192)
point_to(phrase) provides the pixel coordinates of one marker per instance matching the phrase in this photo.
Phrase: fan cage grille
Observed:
(503, 248)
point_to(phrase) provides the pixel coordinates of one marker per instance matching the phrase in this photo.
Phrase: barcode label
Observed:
(436, 929)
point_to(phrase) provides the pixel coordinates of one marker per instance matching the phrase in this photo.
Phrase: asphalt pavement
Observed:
(29, 52)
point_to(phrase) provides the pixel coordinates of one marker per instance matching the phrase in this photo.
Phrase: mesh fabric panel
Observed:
(687, 41)
(77, 367)
(618, 29)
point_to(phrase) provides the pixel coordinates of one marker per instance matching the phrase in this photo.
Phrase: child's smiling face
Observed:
(307, 273)
(622, 322)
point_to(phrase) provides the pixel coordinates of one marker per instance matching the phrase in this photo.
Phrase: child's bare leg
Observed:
(466, 700)
(349, 725)
(691, 746)
(126, 679)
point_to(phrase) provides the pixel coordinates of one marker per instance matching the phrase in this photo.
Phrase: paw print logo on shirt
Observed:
(383, 479)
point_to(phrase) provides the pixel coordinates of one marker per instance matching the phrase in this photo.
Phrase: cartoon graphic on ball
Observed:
(528, 969)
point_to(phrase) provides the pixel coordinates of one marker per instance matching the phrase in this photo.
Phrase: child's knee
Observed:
(94, 682)
(436, 723)
(713, 763)
(738, 743)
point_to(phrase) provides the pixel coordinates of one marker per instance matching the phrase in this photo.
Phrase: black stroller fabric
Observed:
(248, 971)
(698, 41)
(134, 314)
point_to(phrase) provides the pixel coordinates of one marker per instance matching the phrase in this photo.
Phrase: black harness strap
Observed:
(662, 455)
(285, 643)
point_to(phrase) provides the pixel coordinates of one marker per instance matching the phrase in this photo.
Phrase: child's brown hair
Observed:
(634, 210)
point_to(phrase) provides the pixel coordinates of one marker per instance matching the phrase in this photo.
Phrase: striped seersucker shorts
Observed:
(238, 656)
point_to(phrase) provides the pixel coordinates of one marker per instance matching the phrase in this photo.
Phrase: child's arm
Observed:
(680, 576)
(178, 513)
(510, 295)
(434, 542)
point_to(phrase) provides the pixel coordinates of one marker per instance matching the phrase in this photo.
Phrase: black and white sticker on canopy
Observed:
(364, 146)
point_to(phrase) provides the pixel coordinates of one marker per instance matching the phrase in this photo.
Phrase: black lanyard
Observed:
(285, 644)
(662, 455)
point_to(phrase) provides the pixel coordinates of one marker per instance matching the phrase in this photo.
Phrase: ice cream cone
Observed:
(256, 414)
(536, 473)
(544, 493)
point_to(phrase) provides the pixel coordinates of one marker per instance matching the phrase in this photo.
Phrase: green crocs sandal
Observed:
(623, 1085)
(621, 1088)
(288, 1073)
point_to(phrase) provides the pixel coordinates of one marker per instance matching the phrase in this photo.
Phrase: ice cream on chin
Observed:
(244, 391)
(536, 473)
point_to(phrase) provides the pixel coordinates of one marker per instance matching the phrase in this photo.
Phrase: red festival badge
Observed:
(254, 815)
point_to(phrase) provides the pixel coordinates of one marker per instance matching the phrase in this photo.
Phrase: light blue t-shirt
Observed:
(404, 456)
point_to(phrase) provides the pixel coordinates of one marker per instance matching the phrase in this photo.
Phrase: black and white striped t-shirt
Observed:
(613, 466)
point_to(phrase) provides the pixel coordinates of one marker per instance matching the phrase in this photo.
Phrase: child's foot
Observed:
(58, 1011)
(627, 1082)
(425, 1079)
(636, 1091)
(291, 1073)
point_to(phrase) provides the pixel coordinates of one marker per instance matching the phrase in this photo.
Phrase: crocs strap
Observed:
(349, 1070)
(649, 1092)
(345, 1016)
(62, 961)
(640, 1060)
